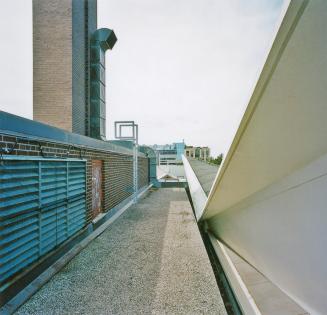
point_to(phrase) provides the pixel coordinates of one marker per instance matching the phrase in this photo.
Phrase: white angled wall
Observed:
(269, 200)
(282, 231)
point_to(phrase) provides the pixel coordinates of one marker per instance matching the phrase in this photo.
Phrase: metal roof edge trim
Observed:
(292, 14)
(37, 158)
(243, 296)
(22, 127)
(198, 195)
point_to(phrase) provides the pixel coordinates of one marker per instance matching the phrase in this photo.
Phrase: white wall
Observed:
(284, 127)
(282, 231)
(199, 197)
(176, 170)
(269, 200)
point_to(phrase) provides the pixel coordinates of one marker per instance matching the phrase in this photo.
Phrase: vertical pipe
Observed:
(102, 40)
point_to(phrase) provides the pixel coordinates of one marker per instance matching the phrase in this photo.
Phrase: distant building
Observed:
(169, 154)
(202, 153)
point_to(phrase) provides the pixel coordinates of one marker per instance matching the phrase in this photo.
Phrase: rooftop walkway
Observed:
(151, 260)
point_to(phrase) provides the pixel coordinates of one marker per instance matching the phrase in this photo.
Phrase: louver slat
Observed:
(42, 204)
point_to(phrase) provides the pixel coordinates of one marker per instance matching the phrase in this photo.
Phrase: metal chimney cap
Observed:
(104, 37)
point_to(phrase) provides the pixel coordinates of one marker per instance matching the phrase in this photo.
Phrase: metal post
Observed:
(136, 163)
(135, 172)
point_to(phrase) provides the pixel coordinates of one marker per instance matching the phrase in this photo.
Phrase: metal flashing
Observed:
(32, 130)
(101, 40)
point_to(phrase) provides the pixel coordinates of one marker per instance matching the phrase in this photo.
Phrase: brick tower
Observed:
(65, 88)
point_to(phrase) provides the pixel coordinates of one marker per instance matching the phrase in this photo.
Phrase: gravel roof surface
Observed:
(206, 173)
(151, 260)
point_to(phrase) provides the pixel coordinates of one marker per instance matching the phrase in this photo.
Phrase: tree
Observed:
(217, 160)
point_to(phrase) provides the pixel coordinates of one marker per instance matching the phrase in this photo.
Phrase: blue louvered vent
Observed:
(42, 203)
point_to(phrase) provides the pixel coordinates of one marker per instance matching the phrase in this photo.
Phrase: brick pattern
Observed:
(117, 169)
(61, 36)
(143, 177)
(121, 184)
(52, 62)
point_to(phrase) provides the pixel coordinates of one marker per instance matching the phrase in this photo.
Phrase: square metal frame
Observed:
(119, 125)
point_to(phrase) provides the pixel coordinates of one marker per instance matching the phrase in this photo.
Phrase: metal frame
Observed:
(119, 125)
(54, 208)
(37, 158)
(127, 123)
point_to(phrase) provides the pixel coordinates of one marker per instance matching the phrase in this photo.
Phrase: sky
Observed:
(181, 69)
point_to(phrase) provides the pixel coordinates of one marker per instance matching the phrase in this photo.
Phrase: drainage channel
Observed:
(227, 294)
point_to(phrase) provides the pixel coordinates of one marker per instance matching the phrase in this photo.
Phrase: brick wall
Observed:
(61, 52)
(117, 177)
(143, 177)
(52, 62)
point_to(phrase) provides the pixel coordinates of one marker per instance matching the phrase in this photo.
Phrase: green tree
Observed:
(217, 160)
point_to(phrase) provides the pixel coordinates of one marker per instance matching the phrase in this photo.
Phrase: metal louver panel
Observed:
(42, 204)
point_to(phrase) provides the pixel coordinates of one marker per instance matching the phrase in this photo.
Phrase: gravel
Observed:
(149, 261)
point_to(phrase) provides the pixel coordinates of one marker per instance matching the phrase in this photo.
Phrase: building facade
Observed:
(169, 154)
(202, 153)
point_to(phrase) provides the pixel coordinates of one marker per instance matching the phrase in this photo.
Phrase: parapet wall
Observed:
(52, 187)
(117, 167)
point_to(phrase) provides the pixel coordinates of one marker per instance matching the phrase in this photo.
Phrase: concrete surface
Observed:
(150, 261)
